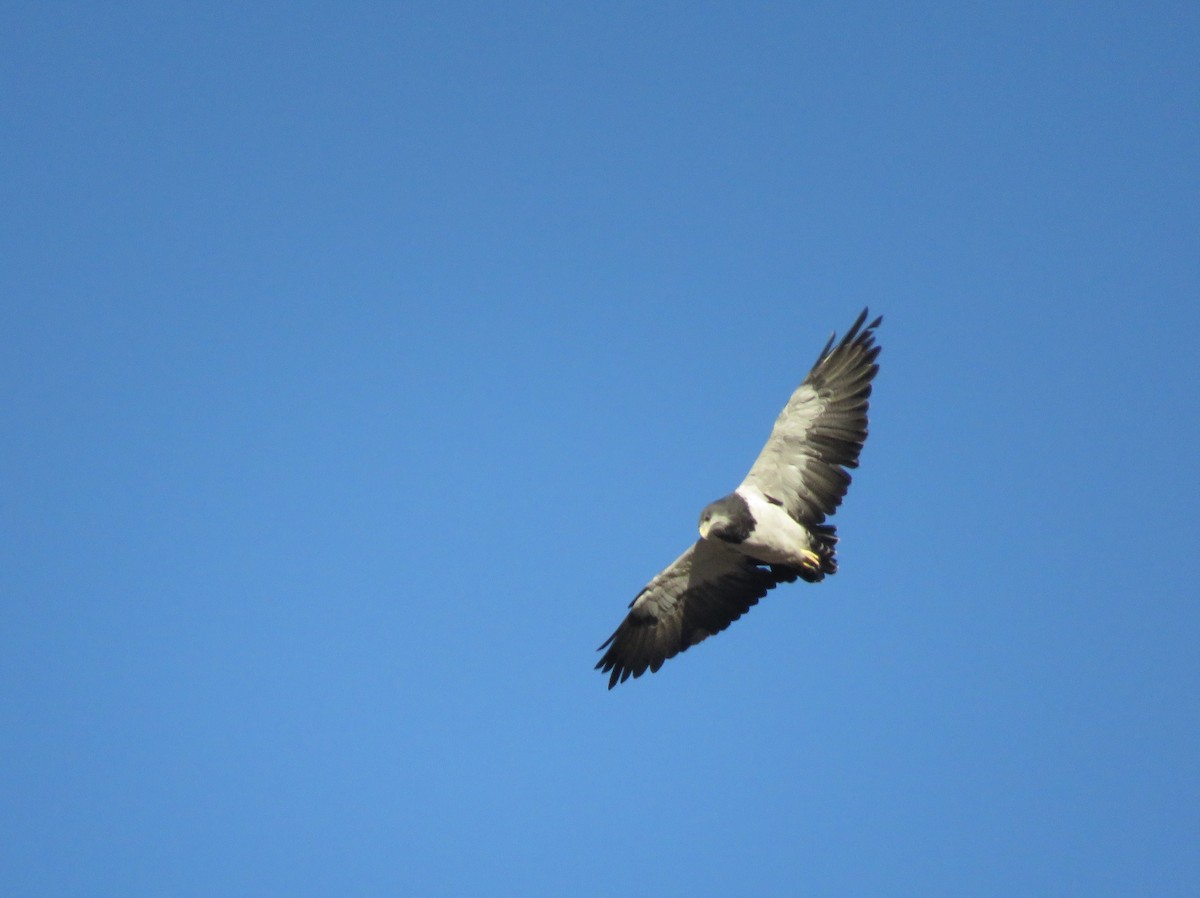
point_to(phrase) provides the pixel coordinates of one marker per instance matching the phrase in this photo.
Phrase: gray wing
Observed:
(704, 590)
(821, 430)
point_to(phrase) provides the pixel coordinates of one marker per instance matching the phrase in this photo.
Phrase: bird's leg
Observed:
(812, 560)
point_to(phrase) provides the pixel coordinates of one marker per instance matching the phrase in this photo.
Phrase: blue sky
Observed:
(361, 362)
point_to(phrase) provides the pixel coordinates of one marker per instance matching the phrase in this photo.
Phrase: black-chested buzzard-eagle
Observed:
(771, 529)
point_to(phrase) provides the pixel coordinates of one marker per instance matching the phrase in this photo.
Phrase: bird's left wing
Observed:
(704, 590)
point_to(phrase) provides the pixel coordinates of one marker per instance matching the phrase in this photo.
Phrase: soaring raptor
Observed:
(771, 529)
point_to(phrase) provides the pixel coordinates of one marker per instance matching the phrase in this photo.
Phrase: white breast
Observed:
(777, 539)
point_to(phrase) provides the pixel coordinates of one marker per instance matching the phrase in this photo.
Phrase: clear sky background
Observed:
(361, 362)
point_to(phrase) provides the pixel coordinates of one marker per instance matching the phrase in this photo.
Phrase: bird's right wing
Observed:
(704, 590)
(821, 430)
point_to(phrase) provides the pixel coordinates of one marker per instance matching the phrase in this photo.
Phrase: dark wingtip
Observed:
(617, 672)
(858, 322)
(857, 333)
(857, 330)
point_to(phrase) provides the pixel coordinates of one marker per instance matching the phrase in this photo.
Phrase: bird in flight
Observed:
(771, 529)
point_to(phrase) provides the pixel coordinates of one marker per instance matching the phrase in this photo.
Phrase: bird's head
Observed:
(728, 519)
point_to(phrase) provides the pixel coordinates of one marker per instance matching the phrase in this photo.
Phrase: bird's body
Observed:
(772, 528)
(772, 536)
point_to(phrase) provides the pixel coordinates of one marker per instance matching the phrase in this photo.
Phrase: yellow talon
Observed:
(813, 559)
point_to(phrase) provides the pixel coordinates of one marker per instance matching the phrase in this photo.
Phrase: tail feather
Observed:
(824, 544)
